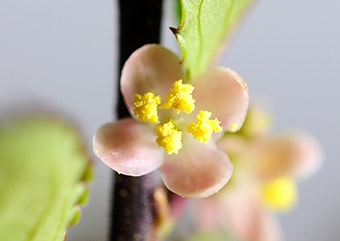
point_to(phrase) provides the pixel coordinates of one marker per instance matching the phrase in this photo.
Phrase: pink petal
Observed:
(308, 157)
(294, 154)
(178, 205)
(224, 93)
(237, 211)
(128, 147)
(150, 68)
(198, 170)
(245, 217)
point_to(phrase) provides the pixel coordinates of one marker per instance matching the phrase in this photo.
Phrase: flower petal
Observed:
(224, 93)
(294, 154)
(198, 170)
(237, 211)
(128, 147)
(150, 68)
(246, 218)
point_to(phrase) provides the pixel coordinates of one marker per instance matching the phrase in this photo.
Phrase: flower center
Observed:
(169, 136)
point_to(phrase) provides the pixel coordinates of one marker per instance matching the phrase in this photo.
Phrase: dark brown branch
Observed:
(139, 24)
(132, 210)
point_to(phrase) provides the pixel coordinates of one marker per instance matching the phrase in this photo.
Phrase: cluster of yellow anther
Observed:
(204, 127)
(180, 98)
(145, 107)
(280, 194)
(169, 135)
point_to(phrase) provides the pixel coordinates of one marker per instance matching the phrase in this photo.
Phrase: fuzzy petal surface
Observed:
(224, 93)
(128, 147)
(150, 68)
(198, 170)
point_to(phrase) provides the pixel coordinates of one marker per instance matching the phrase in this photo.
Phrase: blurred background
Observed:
(63, 54)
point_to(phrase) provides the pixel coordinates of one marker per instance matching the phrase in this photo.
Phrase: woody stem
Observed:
(132, 211)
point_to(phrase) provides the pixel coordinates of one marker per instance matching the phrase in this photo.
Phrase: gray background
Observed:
(63, 54)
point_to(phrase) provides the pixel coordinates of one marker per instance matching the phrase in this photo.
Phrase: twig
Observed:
(132, 211)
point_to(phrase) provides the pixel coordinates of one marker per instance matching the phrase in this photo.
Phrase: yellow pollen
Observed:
(280, 194)
(180, 98)
(169, 137)
(245, 85)
(234, 127)
(145, 107)
(204, 127)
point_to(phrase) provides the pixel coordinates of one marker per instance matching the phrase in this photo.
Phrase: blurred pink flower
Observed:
(188, 167)
(266, 168)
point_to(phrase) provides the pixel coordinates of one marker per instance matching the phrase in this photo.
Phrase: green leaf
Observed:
(44, 170)
(204, 27)
(178, 9)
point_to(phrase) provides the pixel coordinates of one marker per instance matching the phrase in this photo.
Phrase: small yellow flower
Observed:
(180, 98)
(204, 127)
(145, 107)
(169, 137)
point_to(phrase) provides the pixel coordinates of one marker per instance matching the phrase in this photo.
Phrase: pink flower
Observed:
(266, 169)
(174, 123)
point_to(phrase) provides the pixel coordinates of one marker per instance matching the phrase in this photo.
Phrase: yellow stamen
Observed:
(180, 97)
(169, 137)
(145, 107)
(280, 194)
(204, 127)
